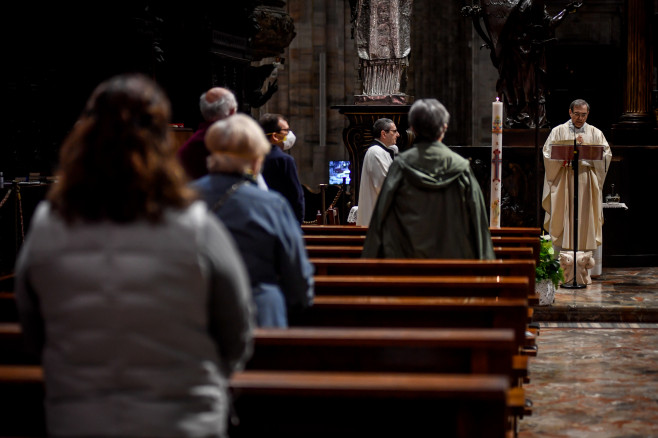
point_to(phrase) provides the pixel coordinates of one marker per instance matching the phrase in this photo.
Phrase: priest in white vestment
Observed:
(378, 159)
(557, 199)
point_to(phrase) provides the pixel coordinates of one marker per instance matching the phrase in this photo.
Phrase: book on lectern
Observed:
(562, 150)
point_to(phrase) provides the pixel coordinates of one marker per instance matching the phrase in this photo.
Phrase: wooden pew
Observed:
(369, 266)
(357, 405)
(358, 241)
(520, 252)
(410, 312)
(414, 285)
(21, 401)
(351, 236)
(8, 309)
(407, 350)
(429, 267)
(515, 241)
(309, 229)
(333, 285)
(11, 345)
(341, 230)
(295, 388)
(334, 240)
(320, 404)
(483, 351)
(463, 351)
(336, 251)
(418, 267)
(516, 231)
(424, 312)
(7, 282)
(350, 251)
(431, 286)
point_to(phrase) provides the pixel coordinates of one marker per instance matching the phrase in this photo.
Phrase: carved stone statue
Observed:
(382, 32)
(516, 32)
(585, 261)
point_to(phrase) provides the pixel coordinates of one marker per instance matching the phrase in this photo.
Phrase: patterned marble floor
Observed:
(598, 378)
(617, 295)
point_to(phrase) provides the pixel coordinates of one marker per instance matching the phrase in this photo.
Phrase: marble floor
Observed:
(596, 371)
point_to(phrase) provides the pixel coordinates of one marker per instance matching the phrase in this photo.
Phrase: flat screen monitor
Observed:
(339, 170)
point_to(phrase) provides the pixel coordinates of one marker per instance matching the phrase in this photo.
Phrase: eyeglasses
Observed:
(580, 114)
(284, 129)
(391, 130)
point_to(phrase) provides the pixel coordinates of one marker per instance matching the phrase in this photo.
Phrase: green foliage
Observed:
(548, 267)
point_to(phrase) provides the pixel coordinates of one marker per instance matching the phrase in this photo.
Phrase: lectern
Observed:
(569, 151)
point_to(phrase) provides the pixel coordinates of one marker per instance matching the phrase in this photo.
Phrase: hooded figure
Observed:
(431, 205)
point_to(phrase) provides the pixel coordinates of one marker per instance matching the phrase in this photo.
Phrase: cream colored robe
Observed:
(557, 199)
(375, 167)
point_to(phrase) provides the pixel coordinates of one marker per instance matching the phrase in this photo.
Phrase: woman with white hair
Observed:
(261, 222)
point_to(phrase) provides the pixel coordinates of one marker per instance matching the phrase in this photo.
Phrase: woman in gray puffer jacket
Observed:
(133, 294)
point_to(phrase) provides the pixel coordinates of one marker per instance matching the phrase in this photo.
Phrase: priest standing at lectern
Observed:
(557, 199)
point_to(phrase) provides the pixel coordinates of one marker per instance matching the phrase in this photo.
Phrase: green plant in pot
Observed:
(547, 272)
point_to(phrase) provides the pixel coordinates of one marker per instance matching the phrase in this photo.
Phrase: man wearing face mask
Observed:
(279, 169)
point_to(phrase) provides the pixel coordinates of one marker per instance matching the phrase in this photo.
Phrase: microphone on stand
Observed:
(574, 166)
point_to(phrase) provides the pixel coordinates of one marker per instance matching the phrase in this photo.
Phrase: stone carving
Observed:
(382, 32)
(275, 30)
(516, 32)
(585, 261)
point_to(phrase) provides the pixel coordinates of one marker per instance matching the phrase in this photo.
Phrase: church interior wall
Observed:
(56, 61)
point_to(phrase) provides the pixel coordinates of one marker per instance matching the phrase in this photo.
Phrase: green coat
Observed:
(430, 206)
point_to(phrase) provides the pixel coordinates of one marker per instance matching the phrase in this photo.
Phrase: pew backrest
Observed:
(413, 285)
(355, 405)
(410, 312)
(430, 267)
(308, 229)
(409, 350)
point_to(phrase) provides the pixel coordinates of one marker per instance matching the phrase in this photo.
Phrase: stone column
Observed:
(636, 124)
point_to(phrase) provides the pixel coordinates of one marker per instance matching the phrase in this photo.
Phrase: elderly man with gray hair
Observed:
(215, 104)
(430, 205)
(262, 222)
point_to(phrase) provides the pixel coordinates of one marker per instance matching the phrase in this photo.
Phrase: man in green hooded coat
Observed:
(430, 205)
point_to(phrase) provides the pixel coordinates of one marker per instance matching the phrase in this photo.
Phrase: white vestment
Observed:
(375, 167)
(557, 199)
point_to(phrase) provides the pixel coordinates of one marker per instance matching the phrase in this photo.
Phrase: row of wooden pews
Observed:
(446, 294)
(390, 347)
(300, 381)
(341, 230)
(346, 241)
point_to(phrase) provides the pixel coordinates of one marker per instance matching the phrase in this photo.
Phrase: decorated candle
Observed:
(496, 162)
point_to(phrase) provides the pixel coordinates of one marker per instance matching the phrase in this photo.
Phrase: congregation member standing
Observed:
(279, 168)
(132, 293)
(215, 104)
(261, 222)
(431, 205)
(378, 159)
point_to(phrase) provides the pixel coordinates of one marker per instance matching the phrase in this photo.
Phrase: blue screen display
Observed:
(339, 170)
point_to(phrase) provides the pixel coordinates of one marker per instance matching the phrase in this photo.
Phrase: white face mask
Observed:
(289, 140)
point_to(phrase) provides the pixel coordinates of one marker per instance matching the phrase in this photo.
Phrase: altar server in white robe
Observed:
(557, 199)
(378, 159)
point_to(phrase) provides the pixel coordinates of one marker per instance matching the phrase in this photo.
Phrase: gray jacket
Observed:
(138, 325)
